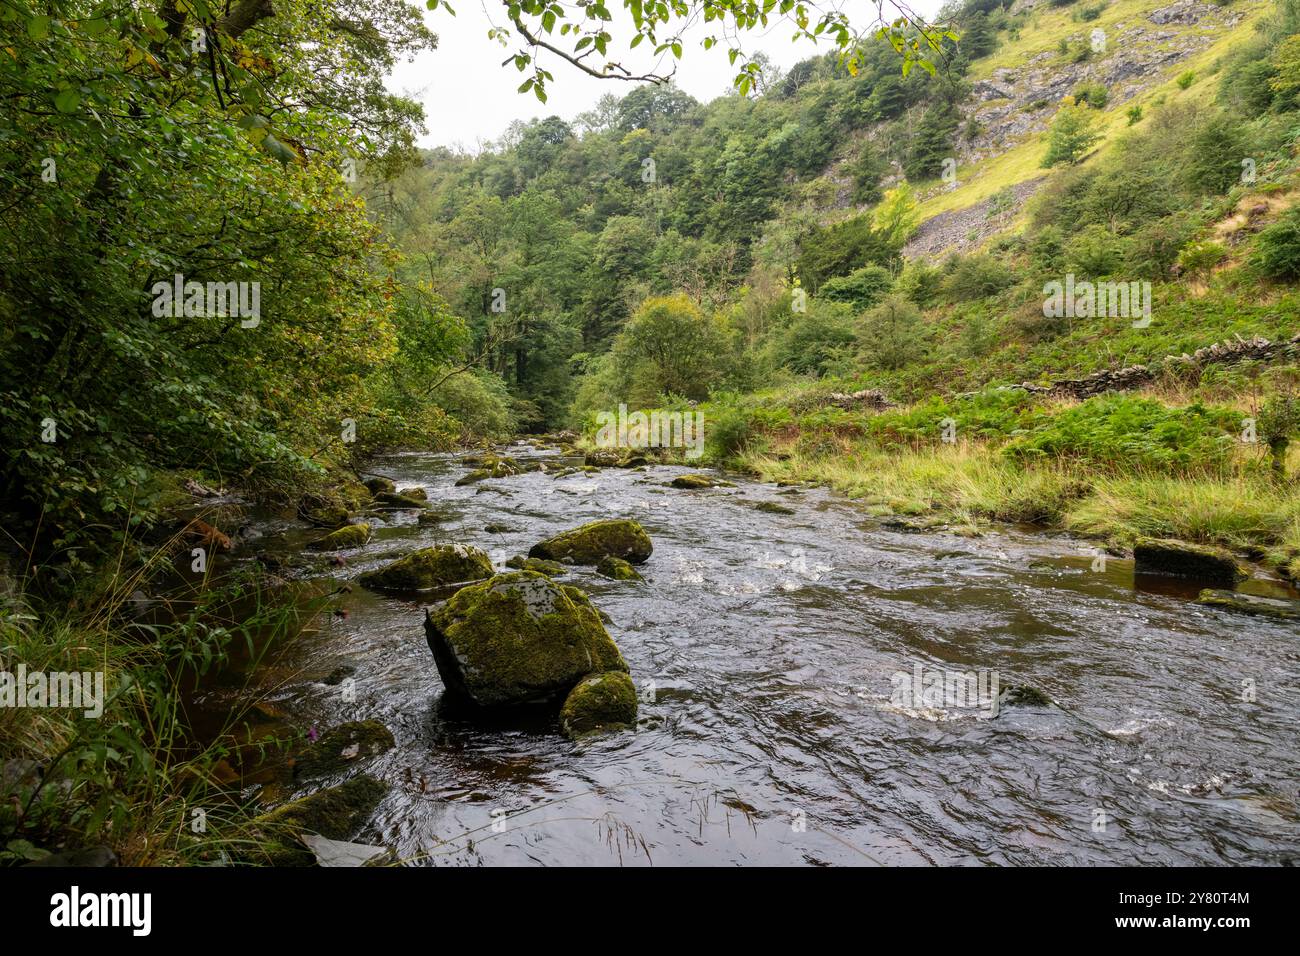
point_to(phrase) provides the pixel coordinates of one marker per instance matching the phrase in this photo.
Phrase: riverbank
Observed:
(967, 486)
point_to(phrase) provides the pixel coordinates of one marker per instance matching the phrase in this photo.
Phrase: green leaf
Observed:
(67, 101)
(38, 28)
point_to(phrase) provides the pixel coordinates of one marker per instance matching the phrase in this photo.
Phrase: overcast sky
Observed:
(469, 98)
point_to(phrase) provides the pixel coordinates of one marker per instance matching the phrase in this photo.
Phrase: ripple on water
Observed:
(763, 646)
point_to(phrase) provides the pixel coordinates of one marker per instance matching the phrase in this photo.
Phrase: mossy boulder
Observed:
(379, 485)
(698, 481)
(604, 701)
(418, 494)
(617, 568)
(349, 536)
(433, 567)
(335, 812)
(394, 501)
(619, 538)
(478, 474)
(1211, 565)
(603, 458)
(772, 508)
(518, 639)
(323, 509)
(1283, 609)
(552, 569)
(342, 747)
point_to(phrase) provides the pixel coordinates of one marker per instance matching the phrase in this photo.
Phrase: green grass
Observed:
(132, 778)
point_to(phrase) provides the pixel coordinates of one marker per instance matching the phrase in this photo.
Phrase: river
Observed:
(766, 648)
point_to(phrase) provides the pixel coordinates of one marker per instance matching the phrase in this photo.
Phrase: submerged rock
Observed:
(619, 538)
(335, 813)
(1284, 609)
(600, 702)
(342, 747)
(618, 569)
(433, 567)
(349, 536)
(1178, 558)
(518, 638)
(771, 507)
(1020, 695)
(552, 569)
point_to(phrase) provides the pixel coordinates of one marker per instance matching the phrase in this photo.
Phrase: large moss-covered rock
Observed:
(336, 813)
(343, 746)
(600, 702)
(1211, 565)
(378, 485)
(518, 638)
(1284, 609)
(349, 536)
(433, 567)
(618, 538)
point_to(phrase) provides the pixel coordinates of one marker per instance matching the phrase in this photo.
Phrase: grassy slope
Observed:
(1044, 30)
(972, 482)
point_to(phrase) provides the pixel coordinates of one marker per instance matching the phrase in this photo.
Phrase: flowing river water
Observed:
(767, 648)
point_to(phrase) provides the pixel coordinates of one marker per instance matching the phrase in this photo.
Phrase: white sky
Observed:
(470, 98)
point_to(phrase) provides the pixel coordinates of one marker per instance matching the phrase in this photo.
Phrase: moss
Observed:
(431, 568)
(418, 494)
(336, 813)
(1212, 565)
(518, 638)
(697, 480)
(349, 536)
(1281, 608)
(496, 528)
(771, 507)
(325, 510)
(600, 702)
(618, 569)
(379, 485)
(478, 474)
(619, 538)
(401, 502)
(552, 569)
(603, 458)
(342, 747)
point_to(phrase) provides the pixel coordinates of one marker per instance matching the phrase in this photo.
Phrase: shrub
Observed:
(1134, 115)
(1186, 79)
(1277, 248)
(1198, 259)
(815, 339)
(1071, 135)
(895, 334)
(1092, 94)
(860, 289)
(975, 277)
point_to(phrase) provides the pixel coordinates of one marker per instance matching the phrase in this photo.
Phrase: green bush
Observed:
(975, 277)
(1277, 248)
(860, 289)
